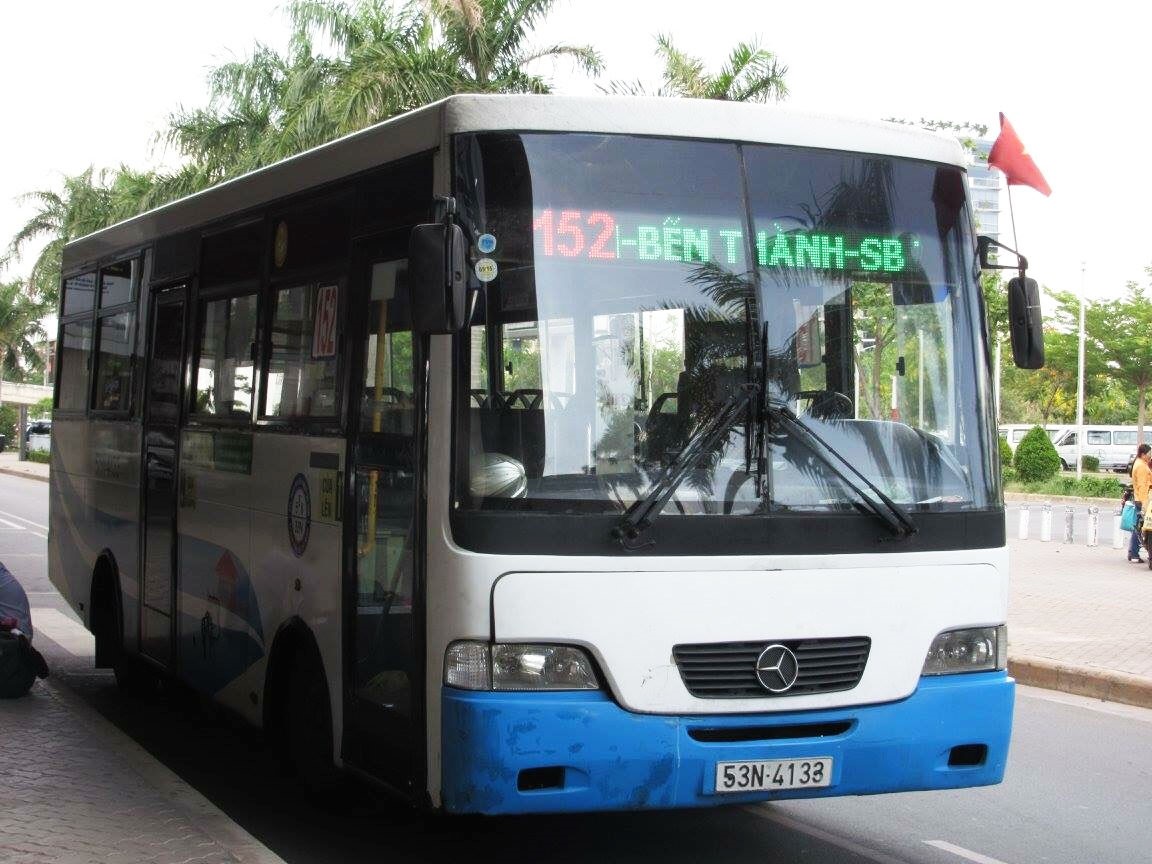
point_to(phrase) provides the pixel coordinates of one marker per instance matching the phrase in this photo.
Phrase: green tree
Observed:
(487, 42)
(750, 74)
(385, 59)
(1036, 458)
(20, 315)
(1118, 339)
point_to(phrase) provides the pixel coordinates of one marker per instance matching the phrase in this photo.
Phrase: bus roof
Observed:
(422, 130)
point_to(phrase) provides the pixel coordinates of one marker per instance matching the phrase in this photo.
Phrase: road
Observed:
(1076, 790)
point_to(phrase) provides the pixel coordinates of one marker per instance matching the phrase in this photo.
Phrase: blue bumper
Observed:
(562, 752)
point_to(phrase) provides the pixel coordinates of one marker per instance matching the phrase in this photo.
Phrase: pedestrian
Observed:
(1141, 481)
(20, 663)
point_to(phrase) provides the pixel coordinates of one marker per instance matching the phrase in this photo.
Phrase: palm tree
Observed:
(487, 40)
(20, 315)
(751, 74)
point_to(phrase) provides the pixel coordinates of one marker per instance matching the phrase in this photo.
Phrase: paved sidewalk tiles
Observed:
(75, 790)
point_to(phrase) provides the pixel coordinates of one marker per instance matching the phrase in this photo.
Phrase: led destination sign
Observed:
(598, 235)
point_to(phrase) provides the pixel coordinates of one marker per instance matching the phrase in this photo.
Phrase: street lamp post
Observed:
(1080, 384)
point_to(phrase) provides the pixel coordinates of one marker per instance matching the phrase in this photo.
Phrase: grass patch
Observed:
(1100, 486)
(42, 456)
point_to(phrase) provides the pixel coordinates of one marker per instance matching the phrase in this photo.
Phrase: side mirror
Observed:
(1025, 323)
(437, 281)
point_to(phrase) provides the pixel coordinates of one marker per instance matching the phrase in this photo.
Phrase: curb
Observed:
(1105, 684)
(27, 475)
(199, 810)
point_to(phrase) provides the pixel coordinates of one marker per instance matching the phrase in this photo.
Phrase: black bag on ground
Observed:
(20, 665)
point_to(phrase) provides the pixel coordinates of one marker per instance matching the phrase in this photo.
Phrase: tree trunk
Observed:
(1140, 414)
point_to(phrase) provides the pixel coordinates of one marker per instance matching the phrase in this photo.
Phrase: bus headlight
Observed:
(507, 666)
(978, 649)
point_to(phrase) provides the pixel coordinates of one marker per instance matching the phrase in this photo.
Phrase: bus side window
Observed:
(226, 373)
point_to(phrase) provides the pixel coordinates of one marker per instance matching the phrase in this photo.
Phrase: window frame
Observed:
(316, 278)
(202, 298)
(85, 318)
(95, 317)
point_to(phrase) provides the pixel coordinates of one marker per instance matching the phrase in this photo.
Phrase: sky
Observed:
(92, 83)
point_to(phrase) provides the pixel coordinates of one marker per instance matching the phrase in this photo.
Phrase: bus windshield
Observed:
(626, 287)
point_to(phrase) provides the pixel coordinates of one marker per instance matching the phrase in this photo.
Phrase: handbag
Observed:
(1128, 516)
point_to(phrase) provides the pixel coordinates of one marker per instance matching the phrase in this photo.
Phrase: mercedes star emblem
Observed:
(776, 667)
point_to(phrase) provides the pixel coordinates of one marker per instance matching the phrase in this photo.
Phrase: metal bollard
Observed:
(1025, 519)
(1046, 522)
(1069, 516)
(1093, 526)
(1117, 534)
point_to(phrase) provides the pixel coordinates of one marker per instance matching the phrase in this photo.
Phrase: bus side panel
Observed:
(71, 540)
(114, 507)
(297, 497)
(216, 639)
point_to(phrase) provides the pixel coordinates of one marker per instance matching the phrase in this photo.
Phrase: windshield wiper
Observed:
(892, 514)
(637, 518)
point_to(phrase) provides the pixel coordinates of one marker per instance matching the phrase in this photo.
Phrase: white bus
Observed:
(542, 454)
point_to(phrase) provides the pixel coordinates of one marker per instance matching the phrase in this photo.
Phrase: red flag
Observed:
(1008, 154)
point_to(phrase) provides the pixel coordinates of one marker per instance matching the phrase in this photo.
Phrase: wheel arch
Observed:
(106, 609)
(292, 637)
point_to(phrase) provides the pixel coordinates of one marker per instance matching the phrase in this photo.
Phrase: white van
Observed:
(1014, 433)
(1114, 446)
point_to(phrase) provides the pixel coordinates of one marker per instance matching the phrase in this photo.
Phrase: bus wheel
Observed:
(133, 676)
(307, 725)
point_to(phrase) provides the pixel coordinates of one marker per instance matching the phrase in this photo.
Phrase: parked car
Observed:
(39, 435)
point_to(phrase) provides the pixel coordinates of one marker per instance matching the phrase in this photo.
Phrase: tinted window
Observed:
(116, 283)
(302, 368)
(225, 377)
(1095, 436)
(79, 294)
(76, 339)
(114, 363)
(1126, 438)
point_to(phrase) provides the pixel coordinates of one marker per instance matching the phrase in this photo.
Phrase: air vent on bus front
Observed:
(727, 670)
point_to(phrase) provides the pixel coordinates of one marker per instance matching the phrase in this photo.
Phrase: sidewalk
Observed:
(1080, 620)
(76, 790)
(11, 464)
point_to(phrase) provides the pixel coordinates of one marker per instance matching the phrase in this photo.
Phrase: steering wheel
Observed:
(827, 404)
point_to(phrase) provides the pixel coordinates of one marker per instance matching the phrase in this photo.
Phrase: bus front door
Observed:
(384, 669)
(161, 451)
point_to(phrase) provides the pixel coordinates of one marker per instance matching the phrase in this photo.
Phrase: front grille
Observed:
(727, 670)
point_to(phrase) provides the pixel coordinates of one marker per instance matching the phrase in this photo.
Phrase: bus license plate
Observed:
(774, 774)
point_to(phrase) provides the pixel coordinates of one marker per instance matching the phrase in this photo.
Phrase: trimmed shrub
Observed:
(1090, 463)
(1005, 453)
(1036, 458)
(40, 456)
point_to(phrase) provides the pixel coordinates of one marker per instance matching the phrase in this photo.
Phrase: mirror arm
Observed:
(982, 244)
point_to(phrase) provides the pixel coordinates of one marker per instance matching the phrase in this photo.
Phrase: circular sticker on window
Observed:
(486, 269)
(486, 243)
(299, 515)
